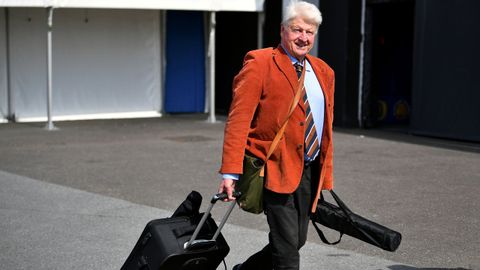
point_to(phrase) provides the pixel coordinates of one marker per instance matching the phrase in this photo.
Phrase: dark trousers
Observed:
(288, 216)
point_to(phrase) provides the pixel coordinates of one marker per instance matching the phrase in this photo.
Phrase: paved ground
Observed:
(78, 197)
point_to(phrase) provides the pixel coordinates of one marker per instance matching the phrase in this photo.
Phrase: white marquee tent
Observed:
(205, 5)
(107, 58)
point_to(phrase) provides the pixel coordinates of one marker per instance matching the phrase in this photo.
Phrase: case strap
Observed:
(280, 132)
(348, 213)
(322, 236)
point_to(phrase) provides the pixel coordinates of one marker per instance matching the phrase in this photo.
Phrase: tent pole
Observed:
(11, 101)
(260, 25)
(211, 53)
(50, 125)
(361, 66)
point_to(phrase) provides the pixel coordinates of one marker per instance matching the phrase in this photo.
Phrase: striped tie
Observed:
(311, 141)
(298, 69)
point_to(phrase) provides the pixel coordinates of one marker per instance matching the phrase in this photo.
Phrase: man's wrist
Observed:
(233, 176)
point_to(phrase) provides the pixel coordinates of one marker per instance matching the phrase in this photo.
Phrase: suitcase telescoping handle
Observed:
(215, 198)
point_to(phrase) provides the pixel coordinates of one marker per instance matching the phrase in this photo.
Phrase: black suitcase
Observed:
(186, 241)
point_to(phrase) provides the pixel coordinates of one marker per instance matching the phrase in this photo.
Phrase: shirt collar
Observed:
(293, 59)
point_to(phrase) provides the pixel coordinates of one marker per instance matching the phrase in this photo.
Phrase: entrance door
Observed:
(388, 63)
(185, 69)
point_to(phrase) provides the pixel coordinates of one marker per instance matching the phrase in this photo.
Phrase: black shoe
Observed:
(237, 267)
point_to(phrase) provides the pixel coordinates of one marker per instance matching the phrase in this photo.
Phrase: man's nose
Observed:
(303, 36)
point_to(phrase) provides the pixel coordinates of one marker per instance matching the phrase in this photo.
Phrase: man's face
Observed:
(298, 37)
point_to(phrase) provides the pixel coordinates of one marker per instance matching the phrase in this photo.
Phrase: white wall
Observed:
(104, 62)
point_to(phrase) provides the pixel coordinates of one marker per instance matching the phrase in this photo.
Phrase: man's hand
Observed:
(228, 186)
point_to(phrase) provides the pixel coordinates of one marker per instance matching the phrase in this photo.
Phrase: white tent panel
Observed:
(27, 39)
(3, 68)
(212, 5)
(104, 62)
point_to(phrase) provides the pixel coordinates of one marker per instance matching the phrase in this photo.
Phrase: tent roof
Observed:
(206, 5)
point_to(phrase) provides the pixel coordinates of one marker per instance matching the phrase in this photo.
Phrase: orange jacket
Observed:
(262, 94)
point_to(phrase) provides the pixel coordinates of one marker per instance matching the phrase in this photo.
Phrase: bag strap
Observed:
(322, 236)
(320, 233)
(342, 205)
(280, 132)
(348, 214)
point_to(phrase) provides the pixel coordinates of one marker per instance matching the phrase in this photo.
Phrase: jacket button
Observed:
(302, 123)
(299, 146)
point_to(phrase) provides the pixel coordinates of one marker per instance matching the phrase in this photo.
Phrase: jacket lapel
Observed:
(284, 64)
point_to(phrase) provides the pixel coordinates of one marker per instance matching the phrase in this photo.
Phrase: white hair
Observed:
(304, 10)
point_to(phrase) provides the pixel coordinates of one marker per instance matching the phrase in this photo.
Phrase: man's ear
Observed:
(282, 29)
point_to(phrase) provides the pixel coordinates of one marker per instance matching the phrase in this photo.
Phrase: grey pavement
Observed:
(78, 197)
(47, 226)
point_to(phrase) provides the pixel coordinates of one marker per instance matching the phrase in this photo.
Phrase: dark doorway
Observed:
(236, 34)
(271, 27)
(386, 93)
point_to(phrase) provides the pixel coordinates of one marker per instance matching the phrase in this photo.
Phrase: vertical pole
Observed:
(314, 50)
(206, 37)
(360, 68)
(50, 125)
(163, 58)
(211, 54)
(260, 23)
(11, 101)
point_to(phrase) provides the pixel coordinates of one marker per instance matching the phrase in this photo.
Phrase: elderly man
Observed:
(302, 163)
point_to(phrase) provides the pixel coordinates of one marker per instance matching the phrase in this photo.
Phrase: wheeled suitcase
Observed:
(186, 241)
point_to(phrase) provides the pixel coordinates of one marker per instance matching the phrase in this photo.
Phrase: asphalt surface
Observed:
(78, 197)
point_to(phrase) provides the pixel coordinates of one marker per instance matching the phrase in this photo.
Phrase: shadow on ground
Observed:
(405, 267)
(405, 136)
